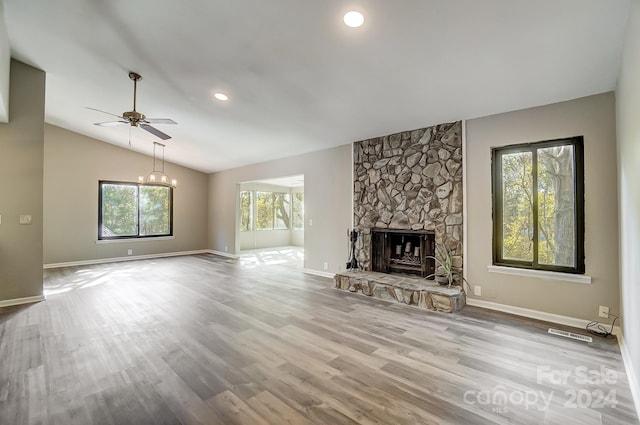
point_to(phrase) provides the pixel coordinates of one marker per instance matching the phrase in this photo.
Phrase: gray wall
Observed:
(73, 165)
(593, 117)
(21, 147)
(327, 187)
(628, 109)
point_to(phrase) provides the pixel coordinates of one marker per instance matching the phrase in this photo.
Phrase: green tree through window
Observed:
(298, 210)
(281, 209)
(154, 210)
(246, 210)
(538, 195)
(273, 210)
(119, 209)
(264, 210)
(130, 210)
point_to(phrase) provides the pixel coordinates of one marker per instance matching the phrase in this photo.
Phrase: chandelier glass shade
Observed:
(158, 176)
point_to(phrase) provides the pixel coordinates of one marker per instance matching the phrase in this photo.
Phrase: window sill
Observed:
(134, 240)
(541, 274)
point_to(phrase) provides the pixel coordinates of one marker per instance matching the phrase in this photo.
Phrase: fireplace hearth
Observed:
(402, 251)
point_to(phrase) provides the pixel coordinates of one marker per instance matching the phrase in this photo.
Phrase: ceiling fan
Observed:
(135, 118)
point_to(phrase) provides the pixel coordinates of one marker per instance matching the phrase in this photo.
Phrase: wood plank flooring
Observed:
(202, 340)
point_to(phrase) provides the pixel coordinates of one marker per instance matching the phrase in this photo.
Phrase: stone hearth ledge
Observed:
(422, 293)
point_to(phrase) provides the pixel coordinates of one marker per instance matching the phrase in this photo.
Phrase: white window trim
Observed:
(135, 240)
(541, 274)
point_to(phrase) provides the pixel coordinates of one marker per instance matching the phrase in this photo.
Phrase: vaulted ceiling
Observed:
(297, 78)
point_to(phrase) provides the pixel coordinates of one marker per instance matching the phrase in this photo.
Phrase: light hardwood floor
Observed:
(201, 340)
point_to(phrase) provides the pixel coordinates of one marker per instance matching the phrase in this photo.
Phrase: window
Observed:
(538, 205)
(131, 210)
(272, 210)
(246, 211)
(298, 210)
(264, 211)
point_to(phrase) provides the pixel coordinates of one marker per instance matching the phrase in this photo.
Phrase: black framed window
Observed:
(133, 210)
(538, 205)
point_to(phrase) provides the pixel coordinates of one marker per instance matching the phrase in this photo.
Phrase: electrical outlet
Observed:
(326, 265)
(603, 311)
(226, 248)
(310, 222)
(129, 251)
(477, 290)
(25, 219)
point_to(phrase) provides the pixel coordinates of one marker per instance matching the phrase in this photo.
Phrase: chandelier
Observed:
(158, 176)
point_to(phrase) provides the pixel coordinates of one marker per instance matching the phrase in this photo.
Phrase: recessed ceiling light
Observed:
(353, 19)
(221, 96)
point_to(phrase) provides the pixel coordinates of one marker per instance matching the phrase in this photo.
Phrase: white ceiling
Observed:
(298, 79)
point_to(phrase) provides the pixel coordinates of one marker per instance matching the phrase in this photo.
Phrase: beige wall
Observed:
(593, 117)
(628, 118)
(21, 156)
(73, 165)
(328, 187)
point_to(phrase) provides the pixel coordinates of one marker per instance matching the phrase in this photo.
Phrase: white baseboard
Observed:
(223, 254)
(127, 258)
(632, 374)
(534, 314)
(19, 301)
(319, 273)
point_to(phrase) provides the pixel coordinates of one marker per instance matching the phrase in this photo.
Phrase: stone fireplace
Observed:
(407, 191)
(402, 251)
(409, 183)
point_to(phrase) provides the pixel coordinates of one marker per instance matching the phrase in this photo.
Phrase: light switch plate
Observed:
(25, 219)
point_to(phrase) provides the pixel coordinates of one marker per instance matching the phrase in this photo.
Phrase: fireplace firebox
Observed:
(402, 251)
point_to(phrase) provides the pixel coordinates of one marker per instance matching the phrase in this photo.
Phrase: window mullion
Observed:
(498, 188)
(138, 209)
(534, 171)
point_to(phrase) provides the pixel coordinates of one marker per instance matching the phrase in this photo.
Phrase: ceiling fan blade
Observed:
(155, 132)
(160, 121)
(110, 123)
(104, 112)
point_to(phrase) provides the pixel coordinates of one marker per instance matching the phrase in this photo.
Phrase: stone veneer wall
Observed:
(411, 181)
